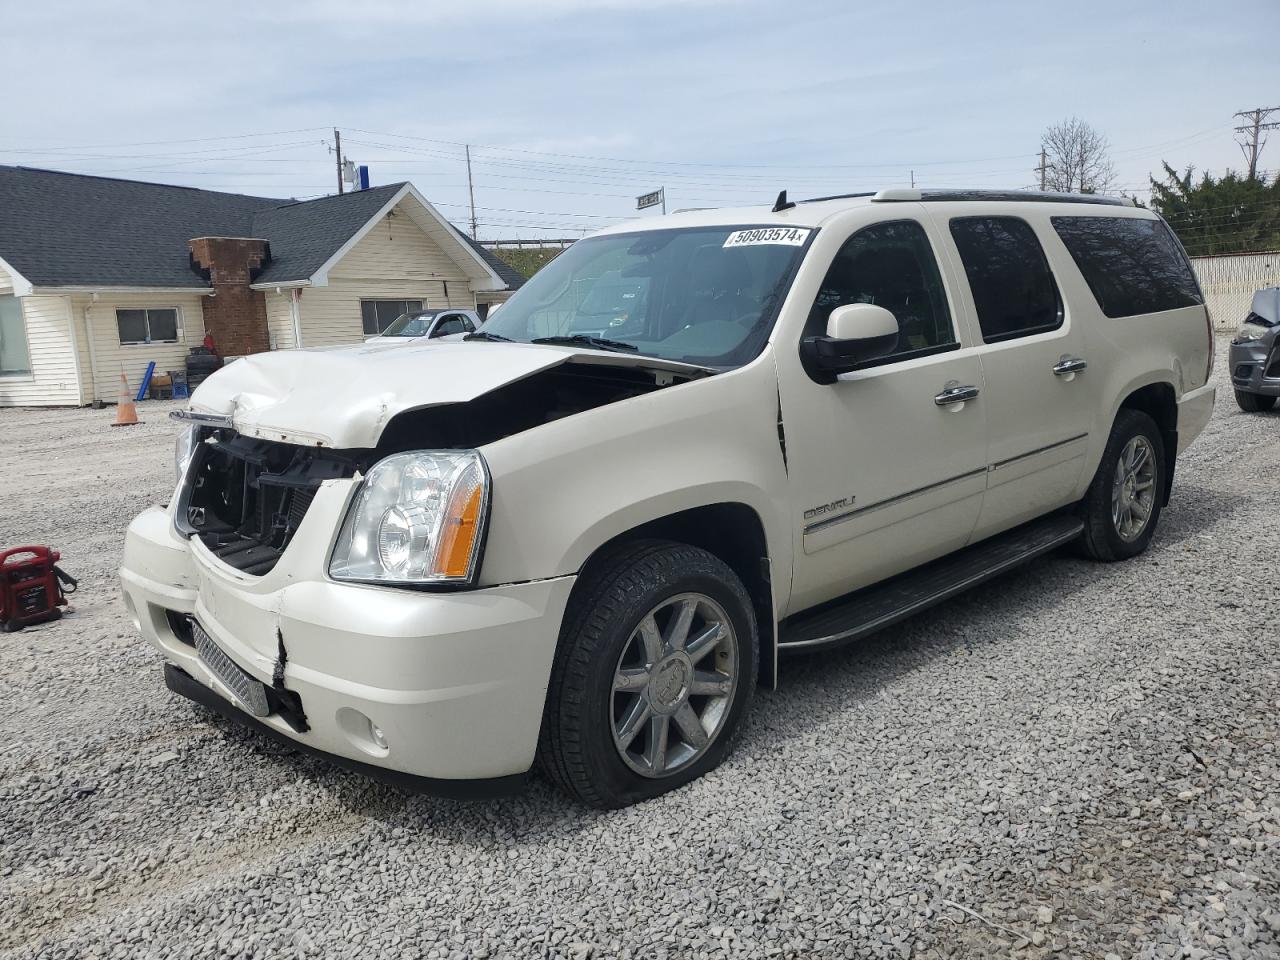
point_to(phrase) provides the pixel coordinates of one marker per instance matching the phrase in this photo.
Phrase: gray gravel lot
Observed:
(1083, 755)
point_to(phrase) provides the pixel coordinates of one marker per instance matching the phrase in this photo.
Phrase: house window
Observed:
(148, 326)
(377, 315)
(15, 358)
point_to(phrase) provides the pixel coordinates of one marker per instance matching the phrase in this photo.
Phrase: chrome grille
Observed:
(251, 693)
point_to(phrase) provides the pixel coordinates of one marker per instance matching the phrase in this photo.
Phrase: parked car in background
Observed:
(430, 324)
(1255, 354)
(582, 534)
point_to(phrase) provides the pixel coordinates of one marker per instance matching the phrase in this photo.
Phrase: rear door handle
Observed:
(1068, 365)
(955, 393)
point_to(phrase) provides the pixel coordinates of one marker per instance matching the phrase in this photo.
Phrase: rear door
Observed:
(1038, 394)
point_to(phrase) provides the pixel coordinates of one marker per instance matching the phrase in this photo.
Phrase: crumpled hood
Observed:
(343, 397)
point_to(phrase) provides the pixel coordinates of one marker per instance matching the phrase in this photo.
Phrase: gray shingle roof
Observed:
(304, 235)
(64, 229)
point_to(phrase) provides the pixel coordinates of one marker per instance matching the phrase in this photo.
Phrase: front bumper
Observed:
(454, 682)
(1255, 366)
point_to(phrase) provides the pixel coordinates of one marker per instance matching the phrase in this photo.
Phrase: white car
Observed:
(428, 324)
(582, 539)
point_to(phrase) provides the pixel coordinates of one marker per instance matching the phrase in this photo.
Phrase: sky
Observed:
(573, 108)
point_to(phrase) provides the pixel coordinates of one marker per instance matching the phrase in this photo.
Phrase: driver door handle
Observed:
(1069, 365)
(956, 394)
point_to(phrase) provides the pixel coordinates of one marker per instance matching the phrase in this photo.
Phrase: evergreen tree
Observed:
(1228, 214)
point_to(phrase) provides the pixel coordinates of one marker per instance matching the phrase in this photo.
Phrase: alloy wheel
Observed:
(1133, 490)
(674, 684)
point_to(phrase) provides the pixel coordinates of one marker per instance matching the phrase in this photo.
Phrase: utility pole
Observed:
(471, 191)
(1043, 169)
(1256, 122)
(337, 150)
(913, 179)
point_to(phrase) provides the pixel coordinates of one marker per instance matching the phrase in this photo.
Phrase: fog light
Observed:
(363, 732)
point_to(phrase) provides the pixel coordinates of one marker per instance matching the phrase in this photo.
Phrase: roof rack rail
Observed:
(841, 196)
(901, 194)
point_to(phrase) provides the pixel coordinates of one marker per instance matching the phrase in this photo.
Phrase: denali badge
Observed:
(835, 506)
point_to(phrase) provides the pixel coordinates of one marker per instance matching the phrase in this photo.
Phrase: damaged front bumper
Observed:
(1255, 365)
(442, 692)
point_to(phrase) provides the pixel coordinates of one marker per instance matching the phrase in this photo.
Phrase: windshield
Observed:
(411, 324)
(704, 295)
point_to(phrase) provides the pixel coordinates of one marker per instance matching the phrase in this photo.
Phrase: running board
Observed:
(883, 604)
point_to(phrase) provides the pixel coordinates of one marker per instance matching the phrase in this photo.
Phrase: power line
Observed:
(685, 163)
(155, 143)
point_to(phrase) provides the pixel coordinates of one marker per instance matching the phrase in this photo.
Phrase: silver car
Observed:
(1255, 354)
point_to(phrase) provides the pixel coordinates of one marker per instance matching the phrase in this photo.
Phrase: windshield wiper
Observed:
(582, 339)
(486, 335)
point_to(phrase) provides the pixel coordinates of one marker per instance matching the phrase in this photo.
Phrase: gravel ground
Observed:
(1082, 756)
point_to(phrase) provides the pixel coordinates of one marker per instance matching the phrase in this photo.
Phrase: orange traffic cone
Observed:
(126, 412)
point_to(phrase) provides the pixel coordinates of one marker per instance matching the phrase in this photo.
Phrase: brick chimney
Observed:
(235, 315)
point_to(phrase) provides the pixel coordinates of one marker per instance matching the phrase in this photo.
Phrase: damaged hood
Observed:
(343, 397)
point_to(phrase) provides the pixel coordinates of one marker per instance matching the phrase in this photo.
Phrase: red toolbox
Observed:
(31, 586)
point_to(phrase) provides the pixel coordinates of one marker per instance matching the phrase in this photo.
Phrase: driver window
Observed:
(448, 325)
(890, 265)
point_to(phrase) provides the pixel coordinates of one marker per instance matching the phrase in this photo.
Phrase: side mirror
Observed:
(857, 334)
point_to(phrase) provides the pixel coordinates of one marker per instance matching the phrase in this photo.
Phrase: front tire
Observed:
(1254, 402)
(655, 670)
(1123, 504)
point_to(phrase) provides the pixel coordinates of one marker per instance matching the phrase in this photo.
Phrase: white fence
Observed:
(1229, 282)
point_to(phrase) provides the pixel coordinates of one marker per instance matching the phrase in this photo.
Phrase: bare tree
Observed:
(1076, 158)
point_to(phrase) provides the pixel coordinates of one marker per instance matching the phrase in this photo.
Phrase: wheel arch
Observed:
(735, 533)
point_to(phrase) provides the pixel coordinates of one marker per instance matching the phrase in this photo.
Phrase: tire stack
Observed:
(200, 363)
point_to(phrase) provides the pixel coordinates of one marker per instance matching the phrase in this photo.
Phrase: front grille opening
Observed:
(245, 498)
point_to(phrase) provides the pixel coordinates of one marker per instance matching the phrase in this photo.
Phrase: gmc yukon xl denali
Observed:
(581, 535)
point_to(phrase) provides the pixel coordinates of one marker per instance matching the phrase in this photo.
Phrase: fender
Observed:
(563, 489)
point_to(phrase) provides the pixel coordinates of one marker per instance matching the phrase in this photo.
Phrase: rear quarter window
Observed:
(1132, 266)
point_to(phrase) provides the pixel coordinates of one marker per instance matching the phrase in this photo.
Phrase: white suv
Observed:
(585, 544)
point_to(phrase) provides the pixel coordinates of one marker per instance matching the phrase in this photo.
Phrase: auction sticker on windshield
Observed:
(787, 236)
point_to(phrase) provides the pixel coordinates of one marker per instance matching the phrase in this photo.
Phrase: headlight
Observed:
(418, 518)
(184, 448)
(1251, 331)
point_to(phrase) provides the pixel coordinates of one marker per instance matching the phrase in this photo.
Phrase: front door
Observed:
(888, 464)
(1039, 398)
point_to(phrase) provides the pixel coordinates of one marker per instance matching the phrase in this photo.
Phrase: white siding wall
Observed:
(331, 315)
(111, 356)
(52, 381)
(279, 320)
(394, 261)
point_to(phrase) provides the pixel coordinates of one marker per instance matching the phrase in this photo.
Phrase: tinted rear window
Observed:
(1132, 266)
(1012, 285)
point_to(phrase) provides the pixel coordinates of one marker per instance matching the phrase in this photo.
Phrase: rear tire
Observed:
(1123, 504)
(655, 669)
(1254, 402)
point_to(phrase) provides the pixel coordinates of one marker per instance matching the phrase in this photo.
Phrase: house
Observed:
(100, 276)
